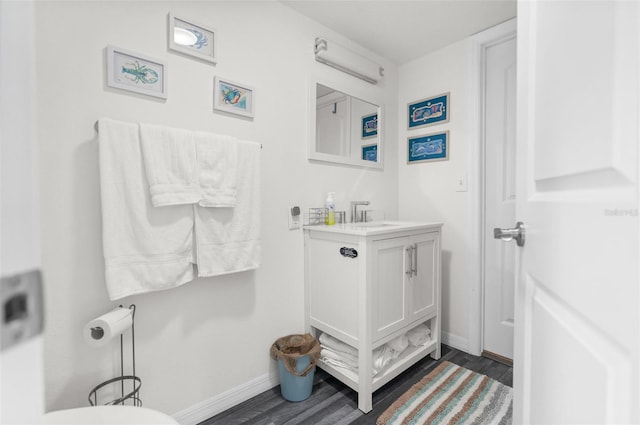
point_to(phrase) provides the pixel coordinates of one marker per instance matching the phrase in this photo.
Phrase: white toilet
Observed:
(108, 415)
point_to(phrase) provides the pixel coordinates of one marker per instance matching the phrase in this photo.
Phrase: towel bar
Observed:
(97, 129)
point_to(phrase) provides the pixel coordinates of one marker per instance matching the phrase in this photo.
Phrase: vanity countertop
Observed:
(372, 227)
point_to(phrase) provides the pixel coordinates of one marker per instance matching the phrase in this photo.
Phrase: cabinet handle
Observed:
(414, 262)
(410, 252)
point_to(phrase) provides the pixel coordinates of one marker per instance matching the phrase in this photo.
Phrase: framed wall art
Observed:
(193, 39)
(370, 152)
(137, 73)
(429, 111)
(232, 97)
(370, 126)
(427, 148)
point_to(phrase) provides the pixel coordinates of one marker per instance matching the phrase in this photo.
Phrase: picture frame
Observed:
(370, 152)
(428, 148)
(429, 111)
(369, 126)
(232, 97)
(193, 39)
(134, 72)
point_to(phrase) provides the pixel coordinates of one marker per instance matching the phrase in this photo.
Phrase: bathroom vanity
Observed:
(368, 283)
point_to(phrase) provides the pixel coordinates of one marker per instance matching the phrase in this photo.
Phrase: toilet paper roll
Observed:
(103, 329)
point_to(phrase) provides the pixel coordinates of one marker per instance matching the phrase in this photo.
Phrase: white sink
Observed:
(374, 224)
(371, 227)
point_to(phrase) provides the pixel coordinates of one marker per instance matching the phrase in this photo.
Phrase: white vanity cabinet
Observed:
(368, 283)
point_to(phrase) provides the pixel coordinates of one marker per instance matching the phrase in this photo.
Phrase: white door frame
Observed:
(479, 45)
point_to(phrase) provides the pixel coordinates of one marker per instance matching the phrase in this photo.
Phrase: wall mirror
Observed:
(346, 128)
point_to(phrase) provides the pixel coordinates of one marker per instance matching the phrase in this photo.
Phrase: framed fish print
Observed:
(137, 73)
(193, 39)
(429, 111)
(431, 147)
(232, 97)
(370, 152)
(370, 126)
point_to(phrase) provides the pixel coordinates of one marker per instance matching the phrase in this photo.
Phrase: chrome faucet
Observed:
(354, 211)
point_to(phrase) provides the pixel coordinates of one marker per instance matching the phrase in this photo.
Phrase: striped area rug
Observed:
(451, 394)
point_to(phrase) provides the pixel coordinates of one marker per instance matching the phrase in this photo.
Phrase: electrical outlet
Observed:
(295, 217)
(461, 183)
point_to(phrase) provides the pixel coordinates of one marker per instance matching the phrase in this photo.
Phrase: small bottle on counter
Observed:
(330, 207)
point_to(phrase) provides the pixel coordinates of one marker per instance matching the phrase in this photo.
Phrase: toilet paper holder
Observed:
(132, 380)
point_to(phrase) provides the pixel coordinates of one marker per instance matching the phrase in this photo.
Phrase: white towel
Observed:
(337, 351)
(187, 167)
(336, 345)
(217, 169)
(343, 360)
(349, 361)
(419, 335)
(145, 248)
(228, 239)
(171, 165)
(399, 344)
(382, 356)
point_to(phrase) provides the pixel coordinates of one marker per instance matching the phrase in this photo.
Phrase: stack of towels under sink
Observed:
(173, 199)
(339, 354)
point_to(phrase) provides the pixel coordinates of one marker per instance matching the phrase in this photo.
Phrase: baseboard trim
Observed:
(217, 404)
(455, 341)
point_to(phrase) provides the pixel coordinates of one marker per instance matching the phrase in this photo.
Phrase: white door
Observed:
(21, 362)
(577, 355)
(333, 124)
(500, 194)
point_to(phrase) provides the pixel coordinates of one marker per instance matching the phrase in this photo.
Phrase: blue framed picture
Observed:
(233, 97)
(370, 153)
(369, 126)
(431, 147)
(429, 111)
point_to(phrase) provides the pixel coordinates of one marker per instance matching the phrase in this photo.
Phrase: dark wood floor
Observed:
(333, 403)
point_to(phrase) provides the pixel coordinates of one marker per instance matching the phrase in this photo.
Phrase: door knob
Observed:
(507, 235)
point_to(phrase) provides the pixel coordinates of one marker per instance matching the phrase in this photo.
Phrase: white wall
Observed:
(213, 334)
(428, 190)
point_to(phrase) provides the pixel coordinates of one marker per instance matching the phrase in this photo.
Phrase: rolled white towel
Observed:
(399, 344)
(419, 335)
(382, 356)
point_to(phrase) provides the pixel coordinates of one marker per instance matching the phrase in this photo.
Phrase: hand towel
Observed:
(228, 239)
(145, 248)
(217, 169)
(171, 165)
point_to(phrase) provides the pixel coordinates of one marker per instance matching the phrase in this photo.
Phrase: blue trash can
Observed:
(297, 356)
(296, 388)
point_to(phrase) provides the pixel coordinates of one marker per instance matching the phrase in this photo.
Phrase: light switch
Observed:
(461, 183)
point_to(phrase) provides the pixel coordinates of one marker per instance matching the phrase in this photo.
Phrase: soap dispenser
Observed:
(330, 207)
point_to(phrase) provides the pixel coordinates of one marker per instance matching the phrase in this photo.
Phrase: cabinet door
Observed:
(422, 286)
(332, 287)
(389, 284)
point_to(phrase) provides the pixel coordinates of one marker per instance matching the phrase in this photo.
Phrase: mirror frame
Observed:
(313, 154)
